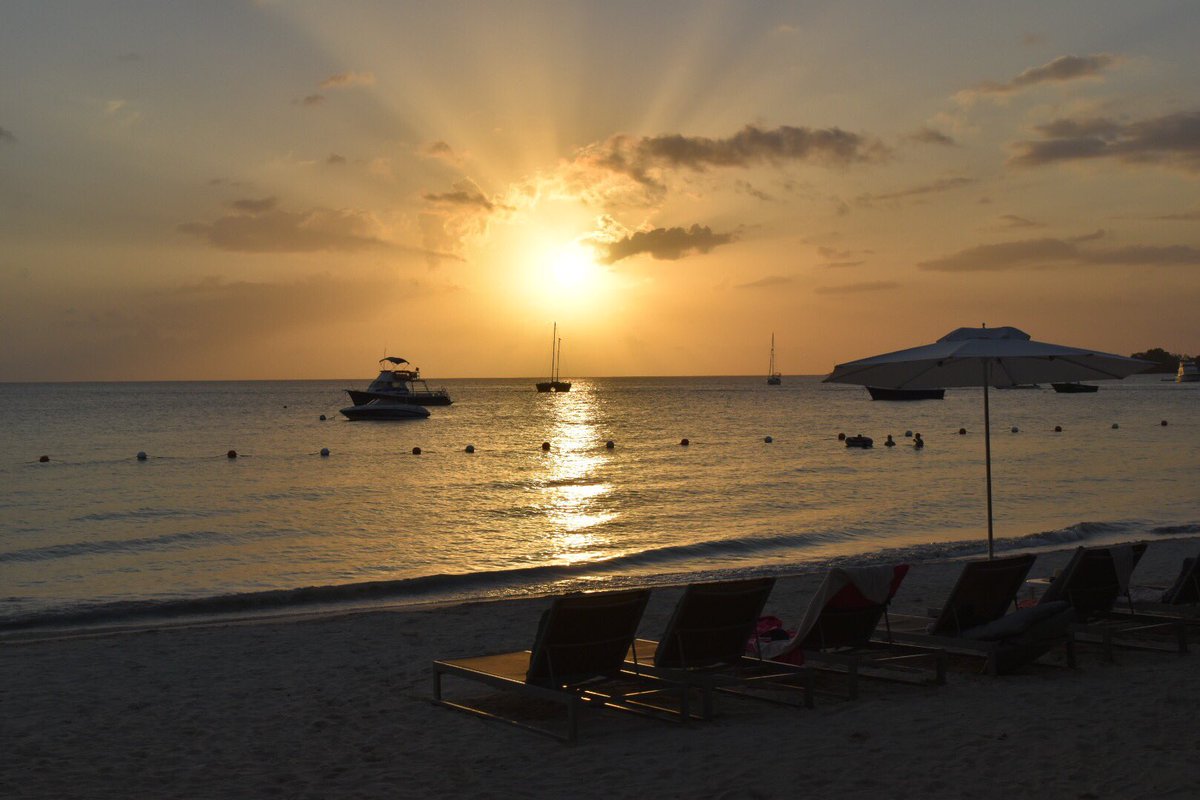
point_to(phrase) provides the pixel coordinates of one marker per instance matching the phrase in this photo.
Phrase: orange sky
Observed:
(290, 190)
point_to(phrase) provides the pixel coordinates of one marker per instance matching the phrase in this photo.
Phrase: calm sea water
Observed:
(96, 534)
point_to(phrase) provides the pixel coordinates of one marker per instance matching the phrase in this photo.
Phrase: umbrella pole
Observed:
(987, 449)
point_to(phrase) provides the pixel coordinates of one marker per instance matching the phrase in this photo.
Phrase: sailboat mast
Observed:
(553, 339)
(558, 361)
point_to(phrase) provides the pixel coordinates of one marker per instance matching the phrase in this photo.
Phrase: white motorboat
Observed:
(1189, 372)
(382, 408)
(400, 385)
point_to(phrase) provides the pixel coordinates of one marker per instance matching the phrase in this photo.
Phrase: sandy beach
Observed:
(339, 706)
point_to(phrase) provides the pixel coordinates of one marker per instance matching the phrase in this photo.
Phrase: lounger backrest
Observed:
(711, 623)
(582, 637)
(1186, 589)
(849, 618)
(1089, 581)
(984, 592)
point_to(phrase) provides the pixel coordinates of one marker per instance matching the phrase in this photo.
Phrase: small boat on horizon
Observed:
(556, 383)
(773, 377)
(1074, 387)
(399, 385)
(882, 393)
(1189, 372)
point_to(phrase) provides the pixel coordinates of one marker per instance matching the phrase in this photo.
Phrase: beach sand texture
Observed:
(338, 706)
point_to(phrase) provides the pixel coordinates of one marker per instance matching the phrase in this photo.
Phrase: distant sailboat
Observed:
(555, 384)
(773, 377)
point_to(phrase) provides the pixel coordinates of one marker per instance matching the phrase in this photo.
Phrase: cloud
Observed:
(940, 185)
(129, 57)
(253, 206)
(930, 136)
(1060, 70)
(263, 228)
(769, 282)
(335, 160)
(838, 259)
(745, 187)
(312, 100)
(441, 150)
(345, 80)
(1013, 221)
(753, 145)
(664, 244)
(1182, 216)
(7, 136)
(1049, 252)
(462, 196)
(857, 288)
(1172, 140)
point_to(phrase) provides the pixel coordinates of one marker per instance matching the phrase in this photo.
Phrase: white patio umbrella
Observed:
(984, 357)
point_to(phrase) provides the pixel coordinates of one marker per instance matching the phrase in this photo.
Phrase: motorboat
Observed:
(1189, 372)
(556, 383)
(382, 408)
(881, 393)
(1074, 387)
(774, 378)
(400, 385)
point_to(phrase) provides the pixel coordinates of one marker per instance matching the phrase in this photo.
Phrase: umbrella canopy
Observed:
(984, 357)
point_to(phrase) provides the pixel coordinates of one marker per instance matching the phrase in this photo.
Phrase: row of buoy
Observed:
(851, 441)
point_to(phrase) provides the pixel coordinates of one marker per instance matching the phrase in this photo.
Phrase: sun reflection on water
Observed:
(574, 491)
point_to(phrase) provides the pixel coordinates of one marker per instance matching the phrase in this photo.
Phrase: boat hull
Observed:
(1074, 388)
(382, 410)
(775, 380)
(880, 393)
(554, 386)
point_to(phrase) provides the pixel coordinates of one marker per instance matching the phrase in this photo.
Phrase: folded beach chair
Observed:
(1092, 582)
(704, 644)
(1181, 598)
(974, 624)
(578, 657)
(837, 629)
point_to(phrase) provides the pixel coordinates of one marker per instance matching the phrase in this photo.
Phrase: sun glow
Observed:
(572, 268)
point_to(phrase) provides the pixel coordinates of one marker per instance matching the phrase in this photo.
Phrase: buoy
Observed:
(44, 459)
(610, 444)
(768, 439)
(469, 448)
(231, 454)
(322, 418)
(860, 441)
(684, 442)
(1014, 429)
(1115, 426)
(889, 442)
(324, 451)
(1163, 423)
(545, 447)
(1058, 428)
(416, 451)
(908, 434)
(841, 437)
(962, 431)
(285, 405)
(141, 456)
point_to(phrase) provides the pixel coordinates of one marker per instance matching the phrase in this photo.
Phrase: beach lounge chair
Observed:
(1092, 582)
(974, 624)
(578, 657)
(1181, 596)
(837, 629)
(704, 644)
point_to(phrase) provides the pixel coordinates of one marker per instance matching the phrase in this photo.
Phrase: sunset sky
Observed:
(229, 190)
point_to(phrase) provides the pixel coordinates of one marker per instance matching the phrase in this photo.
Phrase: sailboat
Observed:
(773, 377)
(555, 384)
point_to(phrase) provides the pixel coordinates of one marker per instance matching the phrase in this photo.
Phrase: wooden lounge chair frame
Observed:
(577, 658)
(841, 641)
(704, 645)
(984, 592)
(1089, 583)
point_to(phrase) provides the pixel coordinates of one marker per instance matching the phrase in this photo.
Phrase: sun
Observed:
(571, 268)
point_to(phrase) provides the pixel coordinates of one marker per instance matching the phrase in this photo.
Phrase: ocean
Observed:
(94, 535)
